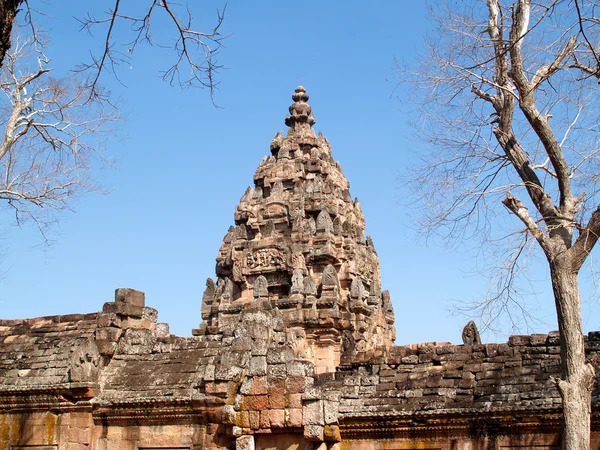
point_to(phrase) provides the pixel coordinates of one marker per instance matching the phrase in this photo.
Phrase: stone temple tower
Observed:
(298, 250)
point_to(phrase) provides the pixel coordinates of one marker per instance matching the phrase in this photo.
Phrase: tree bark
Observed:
(578, 375)
(8, 12)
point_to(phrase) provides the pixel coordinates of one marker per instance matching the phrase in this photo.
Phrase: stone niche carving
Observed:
(209, 292)
(329, 277)
(297, 282)
(470, 334)
(310, 287)
(84, 363)
(324, 222)
(261, 287)
(357, 289)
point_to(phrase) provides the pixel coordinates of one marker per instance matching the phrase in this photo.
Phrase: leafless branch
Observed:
(52, 136)
(195, 63)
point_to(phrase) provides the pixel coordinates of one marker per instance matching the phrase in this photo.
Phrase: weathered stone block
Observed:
(331, 433)
(259, 386)
(108, 320)
(313, 413)
(293, 417)
(277, 418)
(229, 415)
(519, 340)
(243, 419)
(265, 421)
(244, 443)
(226, 373)
(111, 334)
(294, 401)
(280, 356)
(258, 366)
(295, 384)
(277, 398)
(130, 296)
(254, 417)
(330, 411)
(313, 433)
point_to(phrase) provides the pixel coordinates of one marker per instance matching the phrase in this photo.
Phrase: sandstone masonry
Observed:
(294, 351)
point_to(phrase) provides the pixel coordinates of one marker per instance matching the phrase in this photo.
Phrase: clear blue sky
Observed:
(182, 165)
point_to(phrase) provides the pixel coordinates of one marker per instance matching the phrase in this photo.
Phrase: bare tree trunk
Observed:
(578, 375)
(8, 12)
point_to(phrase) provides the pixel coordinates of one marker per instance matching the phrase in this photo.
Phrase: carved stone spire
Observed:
(301, 119)
(298, 247)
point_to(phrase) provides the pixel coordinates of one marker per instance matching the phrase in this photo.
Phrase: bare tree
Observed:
(53, 134)
(508, 94)
(54, 128)
(194, 51)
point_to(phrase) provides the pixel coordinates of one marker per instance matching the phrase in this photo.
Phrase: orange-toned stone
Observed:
(265, 421)
(294, 401)
(261, 402)
(254, 418)
(277, 398)
(295, 384)
(259, 386)
(277, 418)
(293, 417)
(243, 419)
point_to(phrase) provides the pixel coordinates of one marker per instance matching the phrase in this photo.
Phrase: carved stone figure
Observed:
(297, 282)
(311, 226)
(329, 277)
(261, 287)
(470, 334)
(310, 287)
(209, 292)
(357, 289)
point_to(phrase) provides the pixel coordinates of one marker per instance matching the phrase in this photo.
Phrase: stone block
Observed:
(313, 413)
(412, 359)
(519, 340)
(254, 417)
(330, 411)
(106, 348)
(108, 320)
(294, 401)
(258, 366)
(295, 384)
(277, 418)
(293, 417)
(277, 398)
(331, 433)
(280, 356)
(259, 386)
(554, 338)
(130, 296)
(244, 443)
(265, 421)
(313, 433)
(226, 373)
(261, 402)
(300, 368)
(235, 358)
(277, 370)
(243, 419)
(229, 415)
(110, 334)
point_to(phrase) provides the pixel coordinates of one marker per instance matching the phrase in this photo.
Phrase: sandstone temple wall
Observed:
(295, 348)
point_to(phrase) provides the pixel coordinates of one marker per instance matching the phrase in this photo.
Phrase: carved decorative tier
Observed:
(298, 248)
